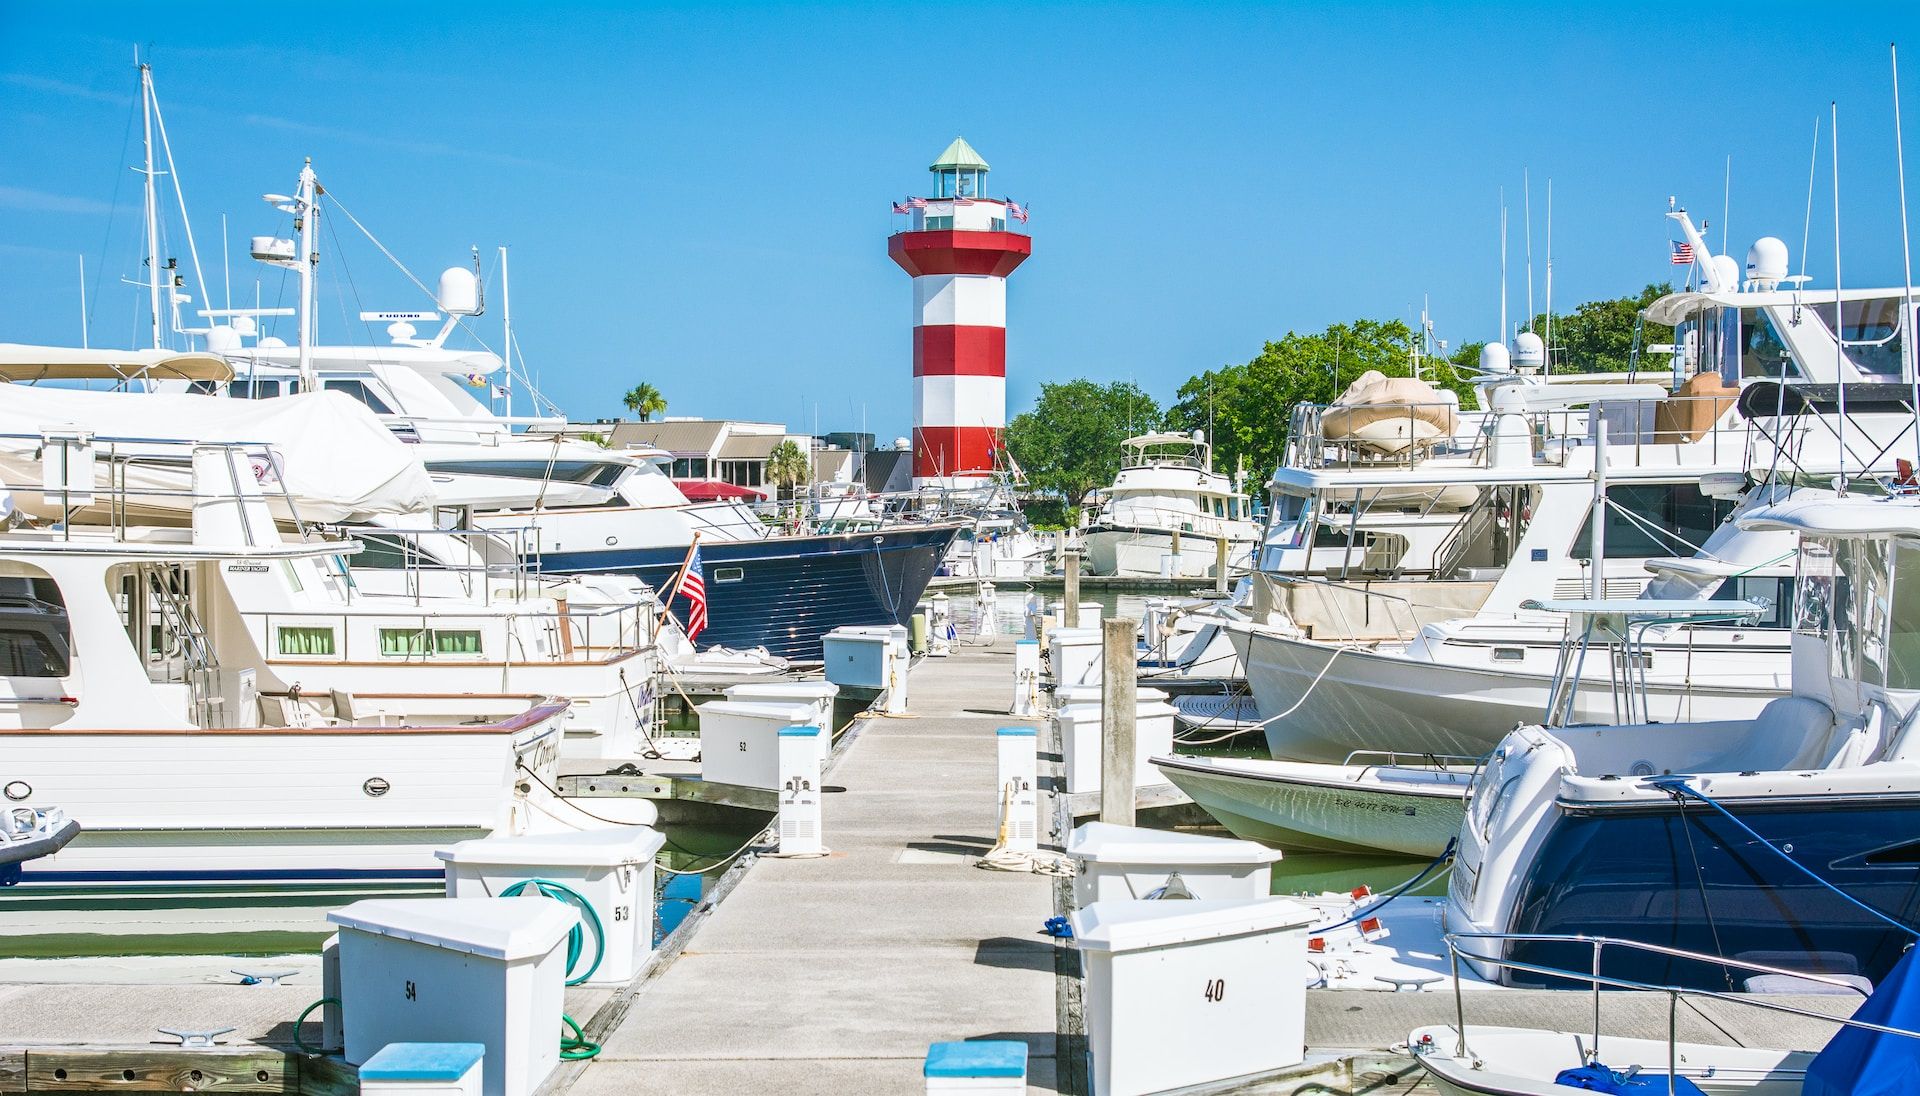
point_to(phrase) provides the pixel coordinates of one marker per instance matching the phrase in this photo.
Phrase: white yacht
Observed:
(1412, 650)
(1166, 512)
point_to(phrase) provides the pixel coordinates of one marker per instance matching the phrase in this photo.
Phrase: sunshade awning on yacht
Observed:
(1767, 399)
(1674, 308)
(19, 362)
(1645, 608)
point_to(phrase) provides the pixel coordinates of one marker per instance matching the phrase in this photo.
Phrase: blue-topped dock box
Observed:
(423, 1069)
(859, 658)
(985, 1065)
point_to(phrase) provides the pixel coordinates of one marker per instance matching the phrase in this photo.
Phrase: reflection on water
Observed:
(702, 852)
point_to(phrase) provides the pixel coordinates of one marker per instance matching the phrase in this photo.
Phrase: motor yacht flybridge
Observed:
(1166, 512)
(576, 507)
(1394, 584)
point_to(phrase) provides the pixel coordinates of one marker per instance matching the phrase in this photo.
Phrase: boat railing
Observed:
(575, 636)
(1424, 762)
(490, 560)
(68, 455)
(1403, 617)
(1638, 431)
(1599, 944)
(1194, 523)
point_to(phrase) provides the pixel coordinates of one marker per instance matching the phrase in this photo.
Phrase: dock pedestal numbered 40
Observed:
(1183, 993)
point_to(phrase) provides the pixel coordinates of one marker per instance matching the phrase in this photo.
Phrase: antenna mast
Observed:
(506, 325)
(1526, 198)
(1906, 247)
(1504, 333)
(152, 204)
(1839, 306)
(1546, 363)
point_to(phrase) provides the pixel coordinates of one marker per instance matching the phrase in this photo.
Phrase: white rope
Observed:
(1001, 858)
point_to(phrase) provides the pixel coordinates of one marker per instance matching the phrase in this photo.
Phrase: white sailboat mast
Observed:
(152, 205)
(309, 213)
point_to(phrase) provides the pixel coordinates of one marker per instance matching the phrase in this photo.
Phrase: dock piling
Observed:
(1070, 596)
(1220, 566)
(1119, 708)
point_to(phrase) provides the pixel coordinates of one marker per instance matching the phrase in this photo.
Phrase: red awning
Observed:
(709, 490)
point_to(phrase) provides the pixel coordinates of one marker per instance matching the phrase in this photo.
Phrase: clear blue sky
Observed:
(698, 196)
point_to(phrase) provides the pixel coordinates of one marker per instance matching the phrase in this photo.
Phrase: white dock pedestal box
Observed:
(1079, 725)
(423, 1069)
(1018, 801)
(816, 695)
(1116, 863)
(997, 1066)
(874, 657)
(1090, 612)
(1026, 678)
(611, 869)
(939, 625)
(800, 808)
(1076, 657)
(1184, 993)
(458, 970)
(739, 742)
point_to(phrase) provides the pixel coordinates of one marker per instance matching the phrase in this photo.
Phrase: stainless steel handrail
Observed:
(1455, 953)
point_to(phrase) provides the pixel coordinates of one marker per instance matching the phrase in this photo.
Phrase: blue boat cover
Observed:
(1858, 1062)
(1594, 1077)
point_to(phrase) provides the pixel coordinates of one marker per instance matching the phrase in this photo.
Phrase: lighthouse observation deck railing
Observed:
(1638, 431)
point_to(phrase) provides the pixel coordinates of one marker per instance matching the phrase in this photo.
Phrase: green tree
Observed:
(1597, 337)
(1070, 442)
(1247, 408)
(789, 466)
(644, 400)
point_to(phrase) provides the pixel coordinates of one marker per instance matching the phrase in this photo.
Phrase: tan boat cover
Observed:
(1692, 410)
(1387, 413)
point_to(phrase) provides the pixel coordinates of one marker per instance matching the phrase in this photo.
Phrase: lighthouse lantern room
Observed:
(959, 247)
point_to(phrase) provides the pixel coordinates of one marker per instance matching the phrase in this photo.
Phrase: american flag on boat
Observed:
(693, 585)
(1682, 254)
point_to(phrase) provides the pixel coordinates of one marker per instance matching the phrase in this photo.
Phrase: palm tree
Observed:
(644, 400)
(788, 466)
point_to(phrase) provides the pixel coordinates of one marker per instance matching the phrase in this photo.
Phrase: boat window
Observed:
(597, 473)
(358, 390)
(305, 639)
(253, 388)
(35, 637)
(1650, 520)
(1870, 331)
(1773, 593)
(418, 642)
(1509, 654)
(1814, 592)
(729, 574)
(1903, 638)
(1763, 353)
(390, 553)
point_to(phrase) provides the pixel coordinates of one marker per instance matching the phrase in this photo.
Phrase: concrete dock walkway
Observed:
(833, 975)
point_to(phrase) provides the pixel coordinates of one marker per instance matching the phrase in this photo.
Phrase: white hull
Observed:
(1523, 1062)
(1149, 553)
(1356, 699)
(1339, 808)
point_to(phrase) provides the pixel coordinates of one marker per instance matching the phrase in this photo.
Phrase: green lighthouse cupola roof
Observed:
(959, 171)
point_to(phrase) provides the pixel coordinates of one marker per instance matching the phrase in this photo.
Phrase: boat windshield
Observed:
(1863, 597)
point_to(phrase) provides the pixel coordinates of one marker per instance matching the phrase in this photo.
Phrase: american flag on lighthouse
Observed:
(1682, 254)
(898, 208)
(693, 584)
(1017, 211)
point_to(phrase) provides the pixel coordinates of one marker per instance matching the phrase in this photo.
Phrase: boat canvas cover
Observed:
(1858, 1062)
(336, 459)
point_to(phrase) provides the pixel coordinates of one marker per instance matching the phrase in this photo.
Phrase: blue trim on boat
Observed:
(791, 590)
(1632, 873)
(280, 875)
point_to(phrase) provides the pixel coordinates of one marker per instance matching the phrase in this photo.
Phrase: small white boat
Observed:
(1524, 1062)
(1412, 806)
(29, 833)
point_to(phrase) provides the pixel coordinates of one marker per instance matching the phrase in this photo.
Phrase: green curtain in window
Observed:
(456, 643)
(395, 642)
(306, 640)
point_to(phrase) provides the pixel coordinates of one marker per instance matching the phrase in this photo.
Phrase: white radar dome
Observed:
(1528, 351)
(902, 445)
(220, 338)
(272, 342)
(460, 292)
(1767, 262)
(1727, 271)
(1494, 359)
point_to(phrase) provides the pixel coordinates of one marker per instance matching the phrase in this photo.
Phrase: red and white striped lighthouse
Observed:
(959, 248)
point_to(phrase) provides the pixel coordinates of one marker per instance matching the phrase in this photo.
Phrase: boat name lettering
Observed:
(1372, 805)
(251, 567)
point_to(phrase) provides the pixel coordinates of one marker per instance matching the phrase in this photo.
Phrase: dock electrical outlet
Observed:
(1019, 799)
(800, 792)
